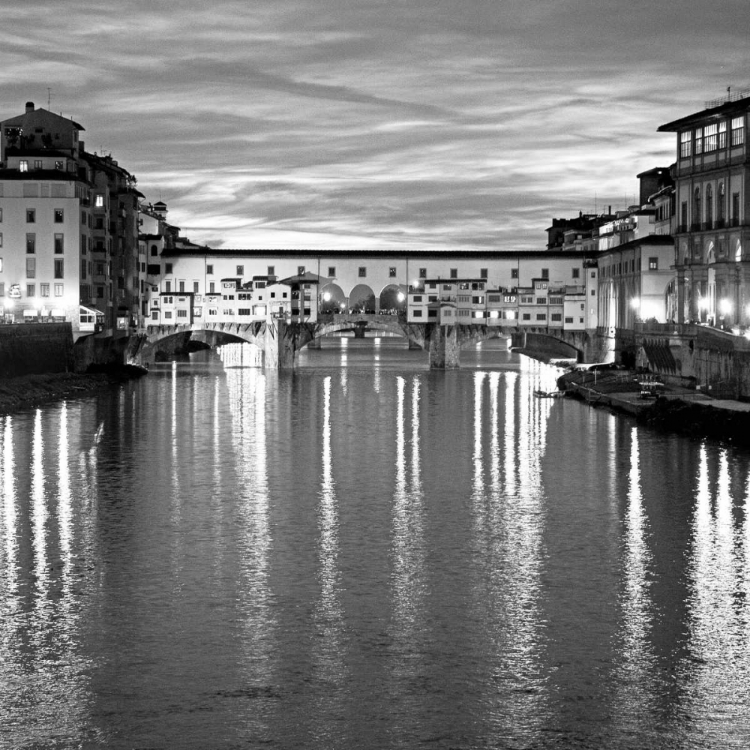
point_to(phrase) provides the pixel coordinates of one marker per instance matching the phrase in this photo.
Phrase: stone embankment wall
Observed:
(31, 349)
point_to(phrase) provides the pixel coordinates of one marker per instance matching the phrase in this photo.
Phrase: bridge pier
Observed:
(444, 348)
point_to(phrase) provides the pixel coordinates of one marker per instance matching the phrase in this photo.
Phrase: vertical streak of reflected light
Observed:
(247, 394)
(64, 511)
(329, 650)
(39, 505)
(634, 688)
(10, 519)
(407, 550)
(509, 438)
(717, 625)
(376, 364)
(478, 496)
(494, 379)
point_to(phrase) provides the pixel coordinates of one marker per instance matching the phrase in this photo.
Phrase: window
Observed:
(1, 215)
(271, 270)
(30, 243)
(59, 290)
(422, 273)
(710, 140)
(513, 273)
(59, 164)
(211, 288)
(44, 290)
(168, 314)
(331, 271)
(362, 272)
(526, 316)
(556, 317)
(545, 273)
(392, 272)
(541, 301)
(99, 201)
(182, 313)
(568, 320)
(59, 244)
(685, 144)
(698, 141)
(23, 165)
(59, 268)
(240, 270)
(709, 206)
(30, 215)
(416, 313)
(167, 286)
(576, 273)
(735, 209)
(454, 273)
(209, 269)
(593, 292)
(167, 268)
(196, 287)
(300, 270)
(721, 205)
(417, 298)
(30, 290)
(696, 206)
(738, 131)
(541, 316)
(722, 141)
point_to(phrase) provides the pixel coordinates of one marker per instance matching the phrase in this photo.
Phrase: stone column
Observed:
(444, 348)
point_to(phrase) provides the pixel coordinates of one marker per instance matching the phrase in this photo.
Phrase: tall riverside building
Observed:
(712, 236)
(68, 228)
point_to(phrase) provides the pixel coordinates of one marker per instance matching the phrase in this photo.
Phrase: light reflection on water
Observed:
(364, 553)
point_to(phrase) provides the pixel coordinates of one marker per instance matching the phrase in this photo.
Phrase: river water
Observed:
(367, 554)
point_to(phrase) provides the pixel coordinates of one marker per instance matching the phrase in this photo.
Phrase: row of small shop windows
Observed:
(498, 314)
(14, 290)
(213, 311)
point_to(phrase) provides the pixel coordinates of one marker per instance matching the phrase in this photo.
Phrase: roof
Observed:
(737, 107)
(651, 239)
(39, 115)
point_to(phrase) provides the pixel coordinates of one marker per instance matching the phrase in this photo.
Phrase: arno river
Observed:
(367, 554)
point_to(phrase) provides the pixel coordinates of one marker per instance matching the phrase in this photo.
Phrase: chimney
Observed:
(29, 107)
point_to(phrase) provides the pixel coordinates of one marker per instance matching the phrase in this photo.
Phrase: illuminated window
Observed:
(44, 290)
(686, 144)
(59, 215)
(59, 165)
(99, 200)
(23, 165)
(392, 272)
(59, 290)
(300, 270)
(698, 141)
(710, 139)
(738, 131)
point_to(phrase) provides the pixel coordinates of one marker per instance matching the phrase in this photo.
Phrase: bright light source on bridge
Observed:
(703, 303)
(478, 313)
(401, 297)
(635, 303)
(326, 296)
(510, 314)
(725, 306)
(494, 313)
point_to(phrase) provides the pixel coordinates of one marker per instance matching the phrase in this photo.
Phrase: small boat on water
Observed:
(549, 394)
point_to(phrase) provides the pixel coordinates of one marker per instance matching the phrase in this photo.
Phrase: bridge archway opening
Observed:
(332, 299)
(393, 298)
(362, 299)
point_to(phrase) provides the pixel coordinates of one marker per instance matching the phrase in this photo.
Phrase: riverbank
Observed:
(675, 409)
(27, 391)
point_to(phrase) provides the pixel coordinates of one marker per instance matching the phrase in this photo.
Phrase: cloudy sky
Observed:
(381, 124)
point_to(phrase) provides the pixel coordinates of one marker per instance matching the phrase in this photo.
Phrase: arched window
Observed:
(709, 207)
(154, 250)
(721, 205)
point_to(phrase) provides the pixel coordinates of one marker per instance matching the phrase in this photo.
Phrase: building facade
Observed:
(712, 176)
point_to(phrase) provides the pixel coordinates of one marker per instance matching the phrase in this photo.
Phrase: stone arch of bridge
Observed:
(384, 323)
(393, 297)
(168, 340)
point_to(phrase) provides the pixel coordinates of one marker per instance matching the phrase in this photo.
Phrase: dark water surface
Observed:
(367, 554)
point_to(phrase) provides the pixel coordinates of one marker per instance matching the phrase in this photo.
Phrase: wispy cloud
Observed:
(348, 123)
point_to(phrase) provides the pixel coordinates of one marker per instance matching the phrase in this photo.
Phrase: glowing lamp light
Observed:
(326, 296)
(703, 304)
(342, 305)
(635, 303)
(401, 297)
(725, 306)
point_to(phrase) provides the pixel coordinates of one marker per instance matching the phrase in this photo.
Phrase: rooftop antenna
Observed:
(729, 93)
